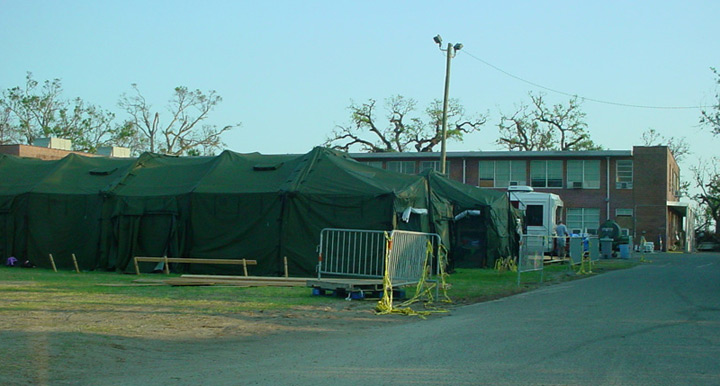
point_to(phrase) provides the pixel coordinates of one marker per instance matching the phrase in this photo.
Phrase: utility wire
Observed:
(579, 96)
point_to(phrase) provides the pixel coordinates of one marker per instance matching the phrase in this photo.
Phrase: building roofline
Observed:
(499, 154)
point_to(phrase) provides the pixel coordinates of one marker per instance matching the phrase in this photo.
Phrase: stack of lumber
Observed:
(241, 281)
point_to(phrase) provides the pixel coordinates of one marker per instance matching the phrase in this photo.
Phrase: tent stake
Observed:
(52, 262)
(166, 266)
(77, 269)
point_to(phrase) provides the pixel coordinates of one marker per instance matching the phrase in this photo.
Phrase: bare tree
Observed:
(678, 146)
(706, 177)
(7, 134)
(520, 131)
(558, 127)
(183, 133)
(403, 130)
(711, 118)
(567, 121)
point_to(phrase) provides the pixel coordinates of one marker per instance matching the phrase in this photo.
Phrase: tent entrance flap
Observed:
(151, 234)
(4, 236)
(470, 244)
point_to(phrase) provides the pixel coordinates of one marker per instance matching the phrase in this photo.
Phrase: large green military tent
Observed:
(231, 206)
(261, 207)
(55, 206)
(270, 207)
(148, 212)
(478, 225)
(17, 179)
(252, 206)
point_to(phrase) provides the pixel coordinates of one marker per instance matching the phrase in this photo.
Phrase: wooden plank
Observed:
(191, 260)
(247, 278)
(130, 284)
(237, 282)
(156, 281)
(180, 282)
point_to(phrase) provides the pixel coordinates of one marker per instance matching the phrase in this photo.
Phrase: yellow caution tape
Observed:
(506, 264)
(423, 290)
(585, 261)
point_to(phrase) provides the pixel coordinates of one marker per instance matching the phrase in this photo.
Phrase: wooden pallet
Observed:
(347, 285)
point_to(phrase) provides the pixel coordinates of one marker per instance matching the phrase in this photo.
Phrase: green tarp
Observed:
(253, 206)
(486, 228)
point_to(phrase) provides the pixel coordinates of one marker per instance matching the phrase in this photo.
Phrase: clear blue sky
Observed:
(288, 69)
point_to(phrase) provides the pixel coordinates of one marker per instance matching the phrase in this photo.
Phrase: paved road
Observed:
(656, 324)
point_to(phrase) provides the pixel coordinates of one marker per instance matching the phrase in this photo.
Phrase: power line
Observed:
(580, 96)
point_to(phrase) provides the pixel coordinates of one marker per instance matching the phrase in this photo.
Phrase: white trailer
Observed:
(542, 210)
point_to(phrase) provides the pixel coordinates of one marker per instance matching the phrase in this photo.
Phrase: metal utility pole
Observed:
(451, 49)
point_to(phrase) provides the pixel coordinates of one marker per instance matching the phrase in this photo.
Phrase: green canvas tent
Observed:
(259, 207)
(148, 212)
(18, 177)
(478, 225)
(270, 207)
(54, 207)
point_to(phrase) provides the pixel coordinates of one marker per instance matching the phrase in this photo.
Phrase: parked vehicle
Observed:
(541, 213)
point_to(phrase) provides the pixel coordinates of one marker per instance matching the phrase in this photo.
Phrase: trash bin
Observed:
(606, 248)
(624, 251)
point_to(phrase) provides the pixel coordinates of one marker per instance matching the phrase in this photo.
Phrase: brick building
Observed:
(40, 152)
(47, 149)
(637, 188)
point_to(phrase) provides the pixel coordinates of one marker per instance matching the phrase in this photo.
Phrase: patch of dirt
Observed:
(172, 324)
(56, 338)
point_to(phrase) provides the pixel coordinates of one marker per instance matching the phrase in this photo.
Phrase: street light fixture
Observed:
(451, 50)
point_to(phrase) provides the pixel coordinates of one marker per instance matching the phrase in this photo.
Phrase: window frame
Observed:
(402, 167)
(585, 219)
(516, 172)
(585, 166)
(625, 176)
(548, 172)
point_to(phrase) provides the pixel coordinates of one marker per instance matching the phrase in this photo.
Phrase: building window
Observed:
(583, 174)
(377, 164)
(546, 174)
(624, 174)
(675, 184)
(407, 167)
(501, 174)
(623, 212)
(433, 165)
(583, 220)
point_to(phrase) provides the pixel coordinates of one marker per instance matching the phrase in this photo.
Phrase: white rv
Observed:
(541, 213)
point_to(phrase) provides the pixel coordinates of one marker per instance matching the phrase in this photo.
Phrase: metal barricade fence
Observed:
(361, 253)
(594, 248)
(409, 255)
(576, 250)
(532, 255)
(352, 252)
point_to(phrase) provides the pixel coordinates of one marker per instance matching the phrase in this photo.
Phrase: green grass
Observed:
(42, 289)
(476, 285)
(30, 289)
